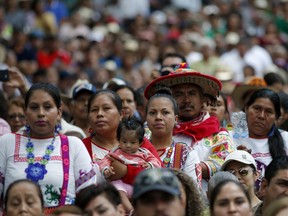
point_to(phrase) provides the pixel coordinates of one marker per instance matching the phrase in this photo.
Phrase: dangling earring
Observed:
(58, 128)
(91, 132)
(27, 129)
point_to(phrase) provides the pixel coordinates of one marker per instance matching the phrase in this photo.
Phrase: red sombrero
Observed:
(184, 74)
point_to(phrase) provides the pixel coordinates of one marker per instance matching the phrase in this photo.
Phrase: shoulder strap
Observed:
(178, 155)
(66, 164)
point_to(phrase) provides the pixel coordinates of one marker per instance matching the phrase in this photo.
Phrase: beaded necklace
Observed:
(167, 159)
(36, 171)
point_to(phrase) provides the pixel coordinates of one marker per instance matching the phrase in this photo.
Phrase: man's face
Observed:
(277, 188)
(157, 203)
(79, 107)
(189, 100)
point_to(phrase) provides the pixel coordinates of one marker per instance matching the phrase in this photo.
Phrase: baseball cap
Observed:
(240, 156)
(158, 179)
(83, 87)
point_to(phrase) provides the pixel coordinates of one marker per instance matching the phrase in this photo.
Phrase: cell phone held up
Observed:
(4, 75)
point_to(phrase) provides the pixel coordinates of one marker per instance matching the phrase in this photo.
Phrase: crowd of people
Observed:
(144, 107)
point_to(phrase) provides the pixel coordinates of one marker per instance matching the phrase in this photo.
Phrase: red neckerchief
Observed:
(198, 128)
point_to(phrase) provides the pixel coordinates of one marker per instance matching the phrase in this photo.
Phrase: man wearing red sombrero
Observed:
(196, 127)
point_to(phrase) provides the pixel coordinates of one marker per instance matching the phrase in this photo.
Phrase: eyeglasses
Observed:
(14, 116)
(242, 171)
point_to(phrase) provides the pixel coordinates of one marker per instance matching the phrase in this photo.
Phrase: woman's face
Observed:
(16, 117)
(23, 199)
(244, 173)
(102, 206)
(219, 110)
(261, 117)
(231, 201)
(42, 114)
(104, 116)
(160, 116)
(128, 102)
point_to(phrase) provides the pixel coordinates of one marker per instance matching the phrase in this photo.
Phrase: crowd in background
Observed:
(120, 46)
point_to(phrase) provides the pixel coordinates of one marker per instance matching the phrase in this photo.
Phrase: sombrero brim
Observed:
(241, 94)
(209, 84)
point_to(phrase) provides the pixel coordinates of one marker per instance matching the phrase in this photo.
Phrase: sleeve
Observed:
(192, 166)
(153, 160)
(3, 164)
(148, 145)
(222, 146)
(103, 163)
(84, 170)
(133, 171)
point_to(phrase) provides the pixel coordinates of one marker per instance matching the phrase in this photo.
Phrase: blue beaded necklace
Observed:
(36, 171)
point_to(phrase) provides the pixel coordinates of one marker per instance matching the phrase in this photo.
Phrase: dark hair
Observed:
(86, 195)
(47, 87)
(72, 209)
(276, 164)
(164, 94)
(275, 142)
(221, 94)
(140, 99)
(111, 94)
(272, 78)
(174, 55)
(215, 192)
(131, 123)
(194, 204)
(119, 87)
(3, 107)
(10, 187)
(283, 101)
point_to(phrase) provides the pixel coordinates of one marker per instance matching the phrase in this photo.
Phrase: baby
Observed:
(130, 134)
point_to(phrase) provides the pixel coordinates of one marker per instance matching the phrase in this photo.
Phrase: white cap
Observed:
(240, 156)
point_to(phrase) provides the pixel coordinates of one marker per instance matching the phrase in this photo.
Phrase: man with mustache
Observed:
(196, 127)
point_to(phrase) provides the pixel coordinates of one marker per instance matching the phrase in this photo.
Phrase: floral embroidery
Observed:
(52, 195)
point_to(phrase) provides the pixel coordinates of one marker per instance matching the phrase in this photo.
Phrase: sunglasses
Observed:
(242, 171)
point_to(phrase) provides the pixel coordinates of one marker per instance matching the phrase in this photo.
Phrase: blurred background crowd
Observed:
(62, 41)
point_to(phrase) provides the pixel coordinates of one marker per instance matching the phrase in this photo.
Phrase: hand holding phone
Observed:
(4, 75)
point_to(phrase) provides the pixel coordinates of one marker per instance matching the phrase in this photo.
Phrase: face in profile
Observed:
(231, 200)
(23, 199)
(101, 206)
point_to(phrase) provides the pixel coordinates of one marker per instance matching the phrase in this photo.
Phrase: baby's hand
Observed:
(108, 172)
